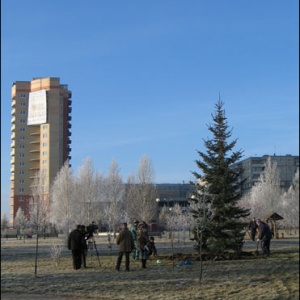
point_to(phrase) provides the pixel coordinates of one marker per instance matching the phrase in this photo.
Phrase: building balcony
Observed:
(12, 144)
(13, 136)
(37, 150)
(34, 168)
(11, 212)
(13, 111)
(35, 133)
(12, 161)
(70, 101)
(11, 195)
(69, 109)
(13, 103)
(13, 120)
(13, 127)
(12, 169)
(69, 125)
(12, 186)
(69, 133)
(11, 203)
(35, 158)
(69, 118)
(12, 152)
(12, 178)
(35, 142)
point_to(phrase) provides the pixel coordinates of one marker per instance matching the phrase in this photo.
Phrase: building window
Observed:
(44, 162)
(45, 135)
(45, 126)
(21, 190)
(22, 121)
(22, 129)
(44, 153)
(22, 155)
(21, 199)
(45, 144)
(22, 138)
(22, 181)
(22, 207)
(22, 146)
(22, 172)
(22, 112)
(22, 164)
(22, 95)
(23, 104)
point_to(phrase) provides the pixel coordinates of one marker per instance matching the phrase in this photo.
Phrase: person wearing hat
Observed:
(133, 229)
(75, 245)
(264, 236)
(126, 245)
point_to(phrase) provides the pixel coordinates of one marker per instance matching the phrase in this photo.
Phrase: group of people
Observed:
(135, 241)
(263, 232)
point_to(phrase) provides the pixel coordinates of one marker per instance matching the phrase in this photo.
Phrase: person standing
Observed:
(142, 240)
(264, 236)
(84, 245)
(75, 245)
(126, 245)
(252, 227)
(134, 229)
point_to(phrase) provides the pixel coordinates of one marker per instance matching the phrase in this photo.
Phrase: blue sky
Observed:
(145, 76)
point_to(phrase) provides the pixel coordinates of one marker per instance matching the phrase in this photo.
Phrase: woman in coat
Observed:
(142, 240)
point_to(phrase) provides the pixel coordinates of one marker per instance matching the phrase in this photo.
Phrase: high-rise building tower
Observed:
(40, 139)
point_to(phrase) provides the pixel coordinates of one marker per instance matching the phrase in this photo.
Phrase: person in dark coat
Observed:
(252, 227)
(142, 240)
(84, 245)
(75, 245)
(264, 236)
(151, 247)
(126, 245)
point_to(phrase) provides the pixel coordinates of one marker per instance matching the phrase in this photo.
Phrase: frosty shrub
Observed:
(55, 252)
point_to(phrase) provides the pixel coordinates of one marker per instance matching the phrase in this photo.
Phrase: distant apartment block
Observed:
(40, 138)
(254, 166)
(170, 194)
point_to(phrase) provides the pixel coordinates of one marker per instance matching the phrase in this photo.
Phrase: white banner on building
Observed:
(37, 108)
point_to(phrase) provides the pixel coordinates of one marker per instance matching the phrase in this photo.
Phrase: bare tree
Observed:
(266, 194)
(62, 199)
(38, 208)
(142, 192)
(4, 224)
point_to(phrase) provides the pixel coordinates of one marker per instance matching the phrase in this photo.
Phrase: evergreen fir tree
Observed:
(217, 190)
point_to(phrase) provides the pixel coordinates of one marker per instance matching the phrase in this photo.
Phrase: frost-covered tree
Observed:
(21, 222)
(223, 184)
(62, 199)
(86, 194)
(113, 193)
(266, 193)
(290, 205)
(141, 192)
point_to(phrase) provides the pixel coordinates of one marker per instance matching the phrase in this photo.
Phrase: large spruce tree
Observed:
(217, 189)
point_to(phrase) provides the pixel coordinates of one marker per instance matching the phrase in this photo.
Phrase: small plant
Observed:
(56, 254)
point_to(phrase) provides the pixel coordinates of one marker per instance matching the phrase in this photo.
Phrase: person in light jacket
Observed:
(126, 245)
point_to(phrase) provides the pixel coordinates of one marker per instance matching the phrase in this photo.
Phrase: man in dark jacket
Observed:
(264, 236)
(126, 245)
(75, 245)
(252, 227)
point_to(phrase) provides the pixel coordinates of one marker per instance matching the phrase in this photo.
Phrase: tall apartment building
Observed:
(40, 137)
(253, 166)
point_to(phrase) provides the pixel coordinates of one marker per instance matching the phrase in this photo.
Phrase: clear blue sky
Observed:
(145, 76)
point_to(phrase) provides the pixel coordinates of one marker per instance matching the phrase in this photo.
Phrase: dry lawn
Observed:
(276, 277)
